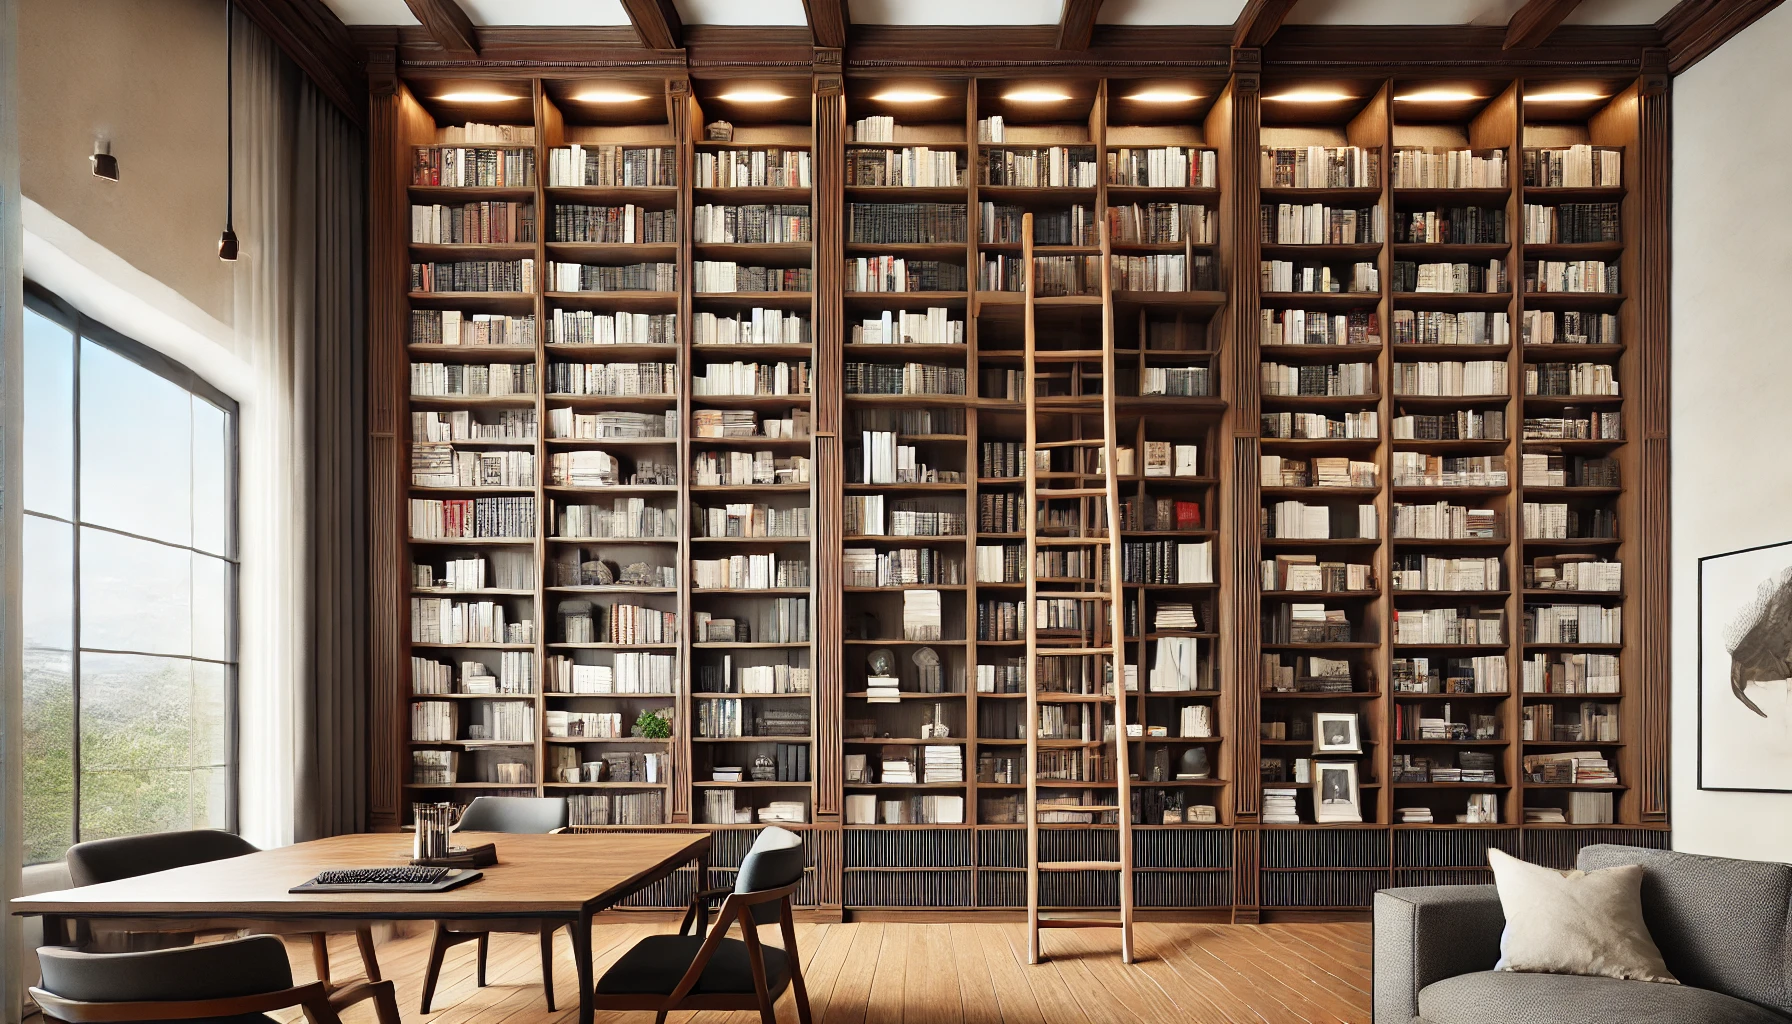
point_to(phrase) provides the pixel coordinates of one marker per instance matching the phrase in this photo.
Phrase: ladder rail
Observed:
(1032, 655)
(1116, 593)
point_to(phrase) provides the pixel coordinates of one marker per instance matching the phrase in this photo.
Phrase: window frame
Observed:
(84, 328)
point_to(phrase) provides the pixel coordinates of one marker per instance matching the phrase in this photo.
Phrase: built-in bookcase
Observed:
(666, 381)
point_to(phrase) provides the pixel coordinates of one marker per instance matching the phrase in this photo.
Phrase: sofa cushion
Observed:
(1720, 923)
(1503, 997)
(1579, 922)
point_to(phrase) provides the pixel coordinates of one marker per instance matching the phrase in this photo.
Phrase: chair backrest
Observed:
(520, 815)
(1721, 924)
(775, 860)
(209, 970)
(106, 860)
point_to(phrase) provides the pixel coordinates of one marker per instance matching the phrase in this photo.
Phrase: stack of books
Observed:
(883, 690)
(921, 615)
(1278, 807)
(898, 766)
(1414, 815)
(789, 811)
(942, 764)
(1172, 617)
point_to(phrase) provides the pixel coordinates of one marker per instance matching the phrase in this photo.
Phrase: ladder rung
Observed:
(1080, 922)
(1079, 865)
(1070, 492)
(1071, 652)
(1093, 442)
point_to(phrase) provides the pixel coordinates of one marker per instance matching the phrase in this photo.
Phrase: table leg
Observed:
(581, 958)
(55, 930)
(702, 887)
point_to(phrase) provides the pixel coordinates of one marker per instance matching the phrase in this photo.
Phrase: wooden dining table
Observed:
(564, 878)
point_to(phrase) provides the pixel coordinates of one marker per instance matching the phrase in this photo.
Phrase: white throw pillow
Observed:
(1578, 922)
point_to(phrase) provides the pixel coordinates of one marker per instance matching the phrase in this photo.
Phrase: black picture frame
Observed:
(1703, 785)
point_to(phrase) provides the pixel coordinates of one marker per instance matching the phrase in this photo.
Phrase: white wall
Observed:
(1732, 416)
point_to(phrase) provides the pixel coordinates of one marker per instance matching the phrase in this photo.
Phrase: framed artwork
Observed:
(1336, 732)
(1745, 670)
(1335, 794)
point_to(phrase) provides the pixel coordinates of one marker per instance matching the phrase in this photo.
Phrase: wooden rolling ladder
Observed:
(1101, 633)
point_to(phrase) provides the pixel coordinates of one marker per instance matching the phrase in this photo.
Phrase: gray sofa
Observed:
(1722, 926)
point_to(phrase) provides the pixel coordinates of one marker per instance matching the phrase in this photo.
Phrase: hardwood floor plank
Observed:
(976, 989)
(1056, 1003)
(1007, 973)
(851, 994)
(888, 984)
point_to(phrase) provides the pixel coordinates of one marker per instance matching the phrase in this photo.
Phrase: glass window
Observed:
(130, 588)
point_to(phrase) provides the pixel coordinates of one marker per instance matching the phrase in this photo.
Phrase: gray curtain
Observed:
(327, 232)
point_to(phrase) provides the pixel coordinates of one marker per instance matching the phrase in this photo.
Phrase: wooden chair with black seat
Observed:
(713, 972)
(234, 982)
(107, 860)
(518, 815)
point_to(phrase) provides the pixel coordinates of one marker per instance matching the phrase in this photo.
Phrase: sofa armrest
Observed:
(1429, 933)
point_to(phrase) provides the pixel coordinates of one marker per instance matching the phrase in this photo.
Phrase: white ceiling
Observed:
(1007, 12)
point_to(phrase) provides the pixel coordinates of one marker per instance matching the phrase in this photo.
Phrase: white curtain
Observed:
(299, 321)
(273, 456)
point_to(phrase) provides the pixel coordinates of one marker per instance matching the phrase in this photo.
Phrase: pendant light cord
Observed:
(229, 112)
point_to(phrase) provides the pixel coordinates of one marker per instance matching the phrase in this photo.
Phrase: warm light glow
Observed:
(608, 96)
(1312, 96)
(907, 96)
(1163, 96)
(1036, 96)
(1565, 96)
(477, 97)
(752, 96)
(1439, 96)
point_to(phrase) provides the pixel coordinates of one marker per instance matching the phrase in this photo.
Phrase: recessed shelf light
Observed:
(1565, 96)
(752, 96)
(608, 96)
(474, 96)
(1036, 96)
(1163, 96)
(907, 96)
(1439, 96)
(1312, 96)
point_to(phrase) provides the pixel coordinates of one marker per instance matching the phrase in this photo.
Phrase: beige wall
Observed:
(148, 75)
(1732, 485)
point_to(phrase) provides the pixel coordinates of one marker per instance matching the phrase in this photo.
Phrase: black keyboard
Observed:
(388, 879)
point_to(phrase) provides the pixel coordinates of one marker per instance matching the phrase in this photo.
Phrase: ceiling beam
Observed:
(1696, 27)
(828, 22)
(656, 22)
(1077, 25)
(320, 44)
(448, 25)
(1535, 21)
(1258, 21)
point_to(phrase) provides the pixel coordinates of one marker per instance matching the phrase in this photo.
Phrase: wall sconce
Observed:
(105, 165)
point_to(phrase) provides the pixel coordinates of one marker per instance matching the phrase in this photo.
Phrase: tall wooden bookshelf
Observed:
(943, 389)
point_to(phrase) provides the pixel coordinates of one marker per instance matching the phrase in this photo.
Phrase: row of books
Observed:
(516, 670)
(629, 672)
(473, 223)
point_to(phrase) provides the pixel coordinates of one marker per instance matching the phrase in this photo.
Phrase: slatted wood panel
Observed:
(941, 974)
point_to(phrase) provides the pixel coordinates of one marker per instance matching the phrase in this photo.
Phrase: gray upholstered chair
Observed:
(235, 982)
(1721, 926)
(517, 815)
(107, 860)
(713, 972)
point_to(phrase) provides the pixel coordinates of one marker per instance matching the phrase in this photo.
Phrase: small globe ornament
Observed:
(882, 662)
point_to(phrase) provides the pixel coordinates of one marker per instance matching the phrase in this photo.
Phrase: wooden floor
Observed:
(868, 973)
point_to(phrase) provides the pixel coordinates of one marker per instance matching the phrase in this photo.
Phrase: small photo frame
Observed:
(1335, 794)
(1337, 732)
